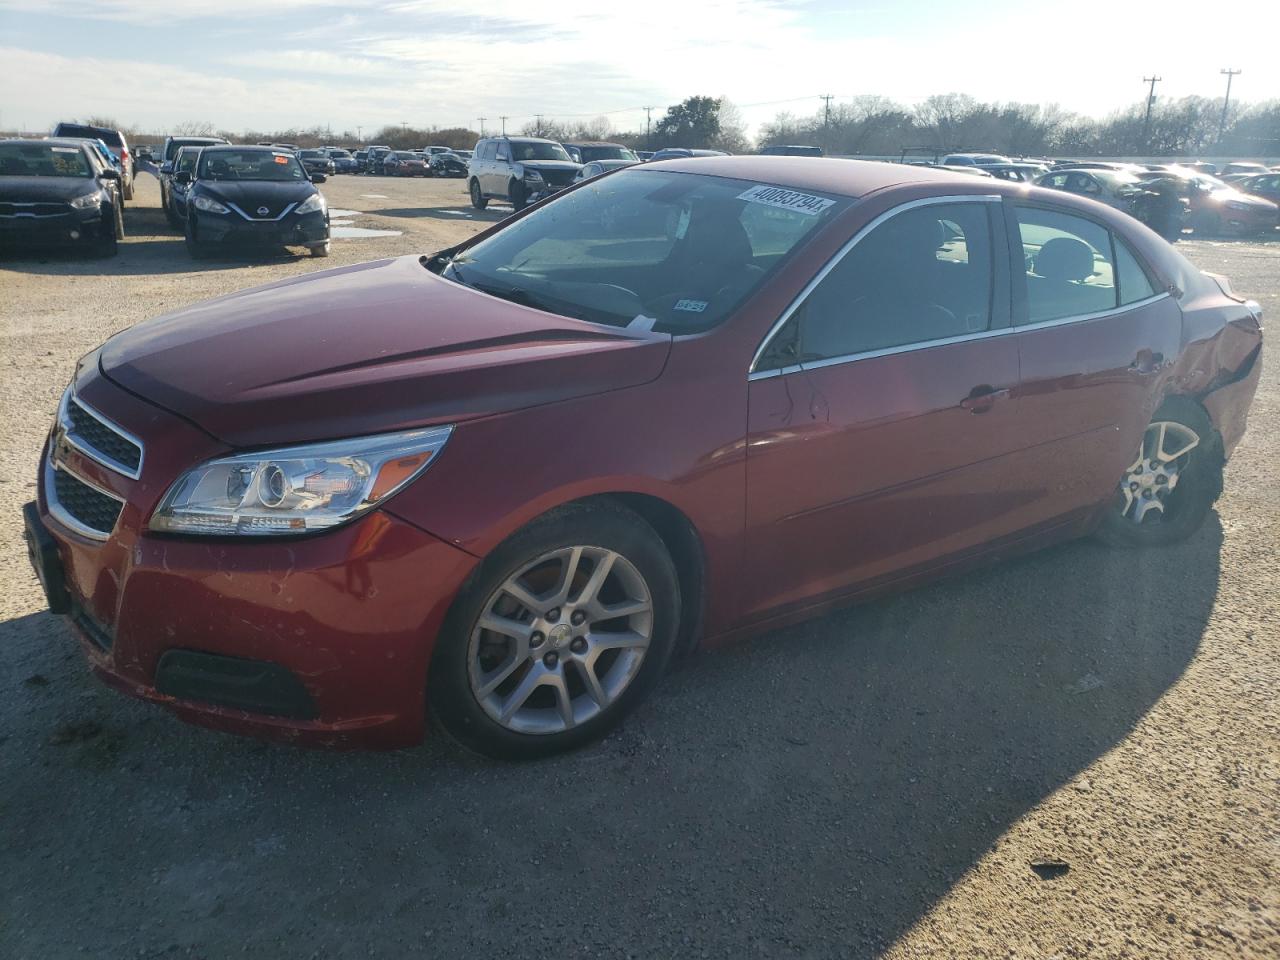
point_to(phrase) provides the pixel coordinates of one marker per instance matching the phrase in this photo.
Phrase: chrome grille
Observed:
(39, 209)
(99, 439)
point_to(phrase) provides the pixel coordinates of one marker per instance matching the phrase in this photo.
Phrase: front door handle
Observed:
(983, 398)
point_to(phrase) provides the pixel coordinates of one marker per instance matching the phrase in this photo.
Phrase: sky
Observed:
(277, 64)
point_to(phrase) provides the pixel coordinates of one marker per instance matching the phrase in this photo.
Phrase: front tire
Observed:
(561, 632)
(1170, 487)
(195, 249)
(321, 249)
(477, 198)
(109, 244)
(519, 198)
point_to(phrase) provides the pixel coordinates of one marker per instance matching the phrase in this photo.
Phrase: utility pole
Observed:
(826, 120)
(538, 117)
(360, 133)
(1151, 102)
(1230, 74)
(504, 125)
(648, 140)
(482, 120)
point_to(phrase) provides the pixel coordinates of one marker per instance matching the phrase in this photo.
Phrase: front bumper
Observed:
(68, 229)
(292, 230)
(338, 628)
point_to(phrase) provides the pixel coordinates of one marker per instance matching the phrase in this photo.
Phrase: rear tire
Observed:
(1191, 482)
(478, 199)
(544, 676)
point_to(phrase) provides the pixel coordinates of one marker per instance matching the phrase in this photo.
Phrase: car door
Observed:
(500, 169)
(1095, 334)
(880, 428)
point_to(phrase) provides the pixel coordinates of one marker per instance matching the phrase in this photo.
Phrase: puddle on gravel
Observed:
(354, 233)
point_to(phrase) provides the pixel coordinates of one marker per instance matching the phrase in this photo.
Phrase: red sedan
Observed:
(503, 485)
(402, 163)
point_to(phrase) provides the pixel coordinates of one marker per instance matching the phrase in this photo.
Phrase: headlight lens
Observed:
(296, 490)
(311, 204)
(532, 175)
(209, 206)
(90, 201)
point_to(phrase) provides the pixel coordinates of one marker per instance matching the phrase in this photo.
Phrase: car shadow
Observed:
(813, 791)
(138, 256)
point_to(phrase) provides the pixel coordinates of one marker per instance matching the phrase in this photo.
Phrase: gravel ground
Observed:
(1073, 755)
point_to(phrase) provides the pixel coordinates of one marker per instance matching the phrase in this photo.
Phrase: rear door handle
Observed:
(981, 399)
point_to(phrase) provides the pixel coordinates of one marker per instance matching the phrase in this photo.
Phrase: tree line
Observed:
(864, 126)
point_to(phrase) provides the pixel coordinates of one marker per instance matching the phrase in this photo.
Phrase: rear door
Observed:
(880, 424)
(1095, 335)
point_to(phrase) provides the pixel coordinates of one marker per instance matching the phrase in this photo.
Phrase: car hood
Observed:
(363, 349)
(550, 165)
(1230, 195)
(21, 189)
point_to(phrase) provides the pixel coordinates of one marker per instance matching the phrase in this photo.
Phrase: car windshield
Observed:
(605, 153)
(309, 154)
(648, 249)
(537, 150)
(250, 165)
(42, 160)
(339, 153)
(407, 155)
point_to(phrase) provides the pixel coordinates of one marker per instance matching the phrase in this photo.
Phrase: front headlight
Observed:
(296, 489)
(1237, 205)
(209, 206)
(532, 175)
(311, 204)
(90, 201)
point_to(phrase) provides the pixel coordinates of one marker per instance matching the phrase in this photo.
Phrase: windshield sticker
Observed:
(65, 149)
(805, 203)
(691, 306)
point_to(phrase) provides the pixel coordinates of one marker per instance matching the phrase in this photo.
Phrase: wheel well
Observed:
(685, 546)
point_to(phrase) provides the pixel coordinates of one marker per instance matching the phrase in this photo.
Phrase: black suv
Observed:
(114, 139)
(521, 170)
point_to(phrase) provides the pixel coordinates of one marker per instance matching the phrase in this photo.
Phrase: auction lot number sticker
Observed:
(783, 199)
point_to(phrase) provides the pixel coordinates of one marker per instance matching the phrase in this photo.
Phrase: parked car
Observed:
(973, 159)
(464, 154)
(175, 210)
(676, 153)
(1266, 186)
(1114, 188)
(58, 193)
(170, 152)
(596, 167)
(1246, 167)
(1016, 172)
(254, 196)
(115, 139)
(373, 162)
(584, 151)
(343, 161)
(317, 161)
(1219, 209)
(448, 165)
(644, 155)
(268, 524)
(405, 163)
(520, 170)
(362, 160)
(790, 150)
(968, 169)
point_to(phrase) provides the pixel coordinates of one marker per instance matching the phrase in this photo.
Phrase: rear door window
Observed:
(1068, 265)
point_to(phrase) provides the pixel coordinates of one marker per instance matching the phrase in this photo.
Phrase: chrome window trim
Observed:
(94, 454)
(963, 338)
(283, 213)
(59, 512)
(842, 253)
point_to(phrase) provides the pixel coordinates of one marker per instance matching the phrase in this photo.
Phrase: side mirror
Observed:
(110, 174)
(166, 167)
(182, 176)
(318, 178)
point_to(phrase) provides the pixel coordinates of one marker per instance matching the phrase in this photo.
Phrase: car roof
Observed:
(850, 178)
(593, 143)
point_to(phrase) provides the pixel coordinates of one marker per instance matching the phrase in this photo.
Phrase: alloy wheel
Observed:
(560, 640)
(1147, 489)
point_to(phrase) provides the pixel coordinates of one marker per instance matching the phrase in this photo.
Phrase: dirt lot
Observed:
(878, 782)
